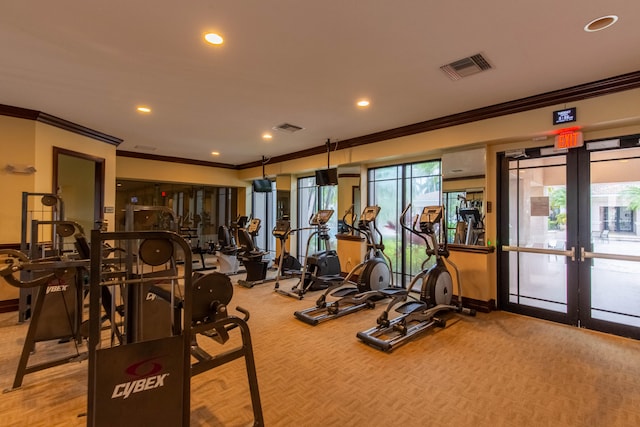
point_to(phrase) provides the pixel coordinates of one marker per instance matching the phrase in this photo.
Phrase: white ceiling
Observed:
(300, 62)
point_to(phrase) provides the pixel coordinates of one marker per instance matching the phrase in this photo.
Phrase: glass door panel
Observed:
(537, 233)
(571, 236)
(613, 264)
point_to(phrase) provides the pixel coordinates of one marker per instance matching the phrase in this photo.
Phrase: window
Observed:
(264, 208)
(312, 198)
(393, 188)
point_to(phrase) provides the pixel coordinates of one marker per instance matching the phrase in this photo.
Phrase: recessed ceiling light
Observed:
(363, 103)
(215, 153)
(214, 38)
(601, 23)
(267, 136)
(144, 109)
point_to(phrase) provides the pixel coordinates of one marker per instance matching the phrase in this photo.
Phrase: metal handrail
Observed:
(585, 254)
(568, 252)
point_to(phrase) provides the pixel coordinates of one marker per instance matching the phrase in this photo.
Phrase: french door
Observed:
(570, 235)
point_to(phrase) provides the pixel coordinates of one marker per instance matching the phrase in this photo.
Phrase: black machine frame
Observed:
(149, 370)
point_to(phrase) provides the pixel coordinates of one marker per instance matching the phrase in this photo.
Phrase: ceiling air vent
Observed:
(288, 127)
(145, 148)
(466, 66)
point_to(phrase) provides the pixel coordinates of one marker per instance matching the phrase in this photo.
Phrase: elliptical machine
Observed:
(374, 275)
(320, 269)
(288, 265)
(436, 289)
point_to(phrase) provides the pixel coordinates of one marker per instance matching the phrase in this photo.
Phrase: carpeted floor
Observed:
(496, 369)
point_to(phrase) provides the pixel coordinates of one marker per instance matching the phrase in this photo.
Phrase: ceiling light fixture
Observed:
(214, 38)
(363, 103)
(601, 23)
(267, 136)
(144, 109)
(215, 153)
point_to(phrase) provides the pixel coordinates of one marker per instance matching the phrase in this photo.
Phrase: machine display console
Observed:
(282, 227)
(254, 226)
(470, 214)
(321, 217)
(370, 213)
(431, 214)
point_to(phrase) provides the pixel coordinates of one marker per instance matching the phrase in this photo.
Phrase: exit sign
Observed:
(564, 116)
(567, 140)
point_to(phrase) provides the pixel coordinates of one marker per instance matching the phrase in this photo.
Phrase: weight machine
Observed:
(145, 379)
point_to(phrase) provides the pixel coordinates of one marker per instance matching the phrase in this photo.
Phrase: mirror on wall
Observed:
(465, 216)
(348, 194)
(200, 209)
(463, 181)
(283, 203)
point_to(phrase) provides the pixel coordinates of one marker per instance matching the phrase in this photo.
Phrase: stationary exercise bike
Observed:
(374, 274)
(251, 256)
(436, 289)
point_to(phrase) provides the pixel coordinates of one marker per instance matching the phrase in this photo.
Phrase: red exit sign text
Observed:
(566, 140)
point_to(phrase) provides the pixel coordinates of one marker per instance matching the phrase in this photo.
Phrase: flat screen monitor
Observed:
(327, 177)
(471, 215)
(262, 186)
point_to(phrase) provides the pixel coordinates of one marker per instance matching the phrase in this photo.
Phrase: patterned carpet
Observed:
(496, 369)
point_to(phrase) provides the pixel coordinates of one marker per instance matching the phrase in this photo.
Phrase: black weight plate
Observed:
(65, 230)
(155, 251)
(144, 218)
(212, 287)
(49, 200)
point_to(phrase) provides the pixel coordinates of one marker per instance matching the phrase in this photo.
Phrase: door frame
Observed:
(584, 209)
(578, 270)
(99, 177)
(571, 316)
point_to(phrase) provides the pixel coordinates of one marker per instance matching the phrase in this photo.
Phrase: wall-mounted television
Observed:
(262, 185)
(327, 177)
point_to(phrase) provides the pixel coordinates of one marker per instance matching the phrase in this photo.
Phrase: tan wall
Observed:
(477, 274)
(154, 170)
(48, 137)
(17, 144)
(27, 142)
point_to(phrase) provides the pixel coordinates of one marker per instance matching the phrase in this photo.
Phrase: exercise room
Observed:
(287, 215)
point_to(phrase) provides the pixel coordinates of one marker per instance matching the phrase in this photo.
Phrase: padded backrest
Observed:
(245, 240)
(224, 236)
(82, 246)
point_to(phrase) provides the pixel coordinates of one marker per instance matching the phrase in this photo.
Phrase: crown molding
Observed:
(147, 156)
(39, 116)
